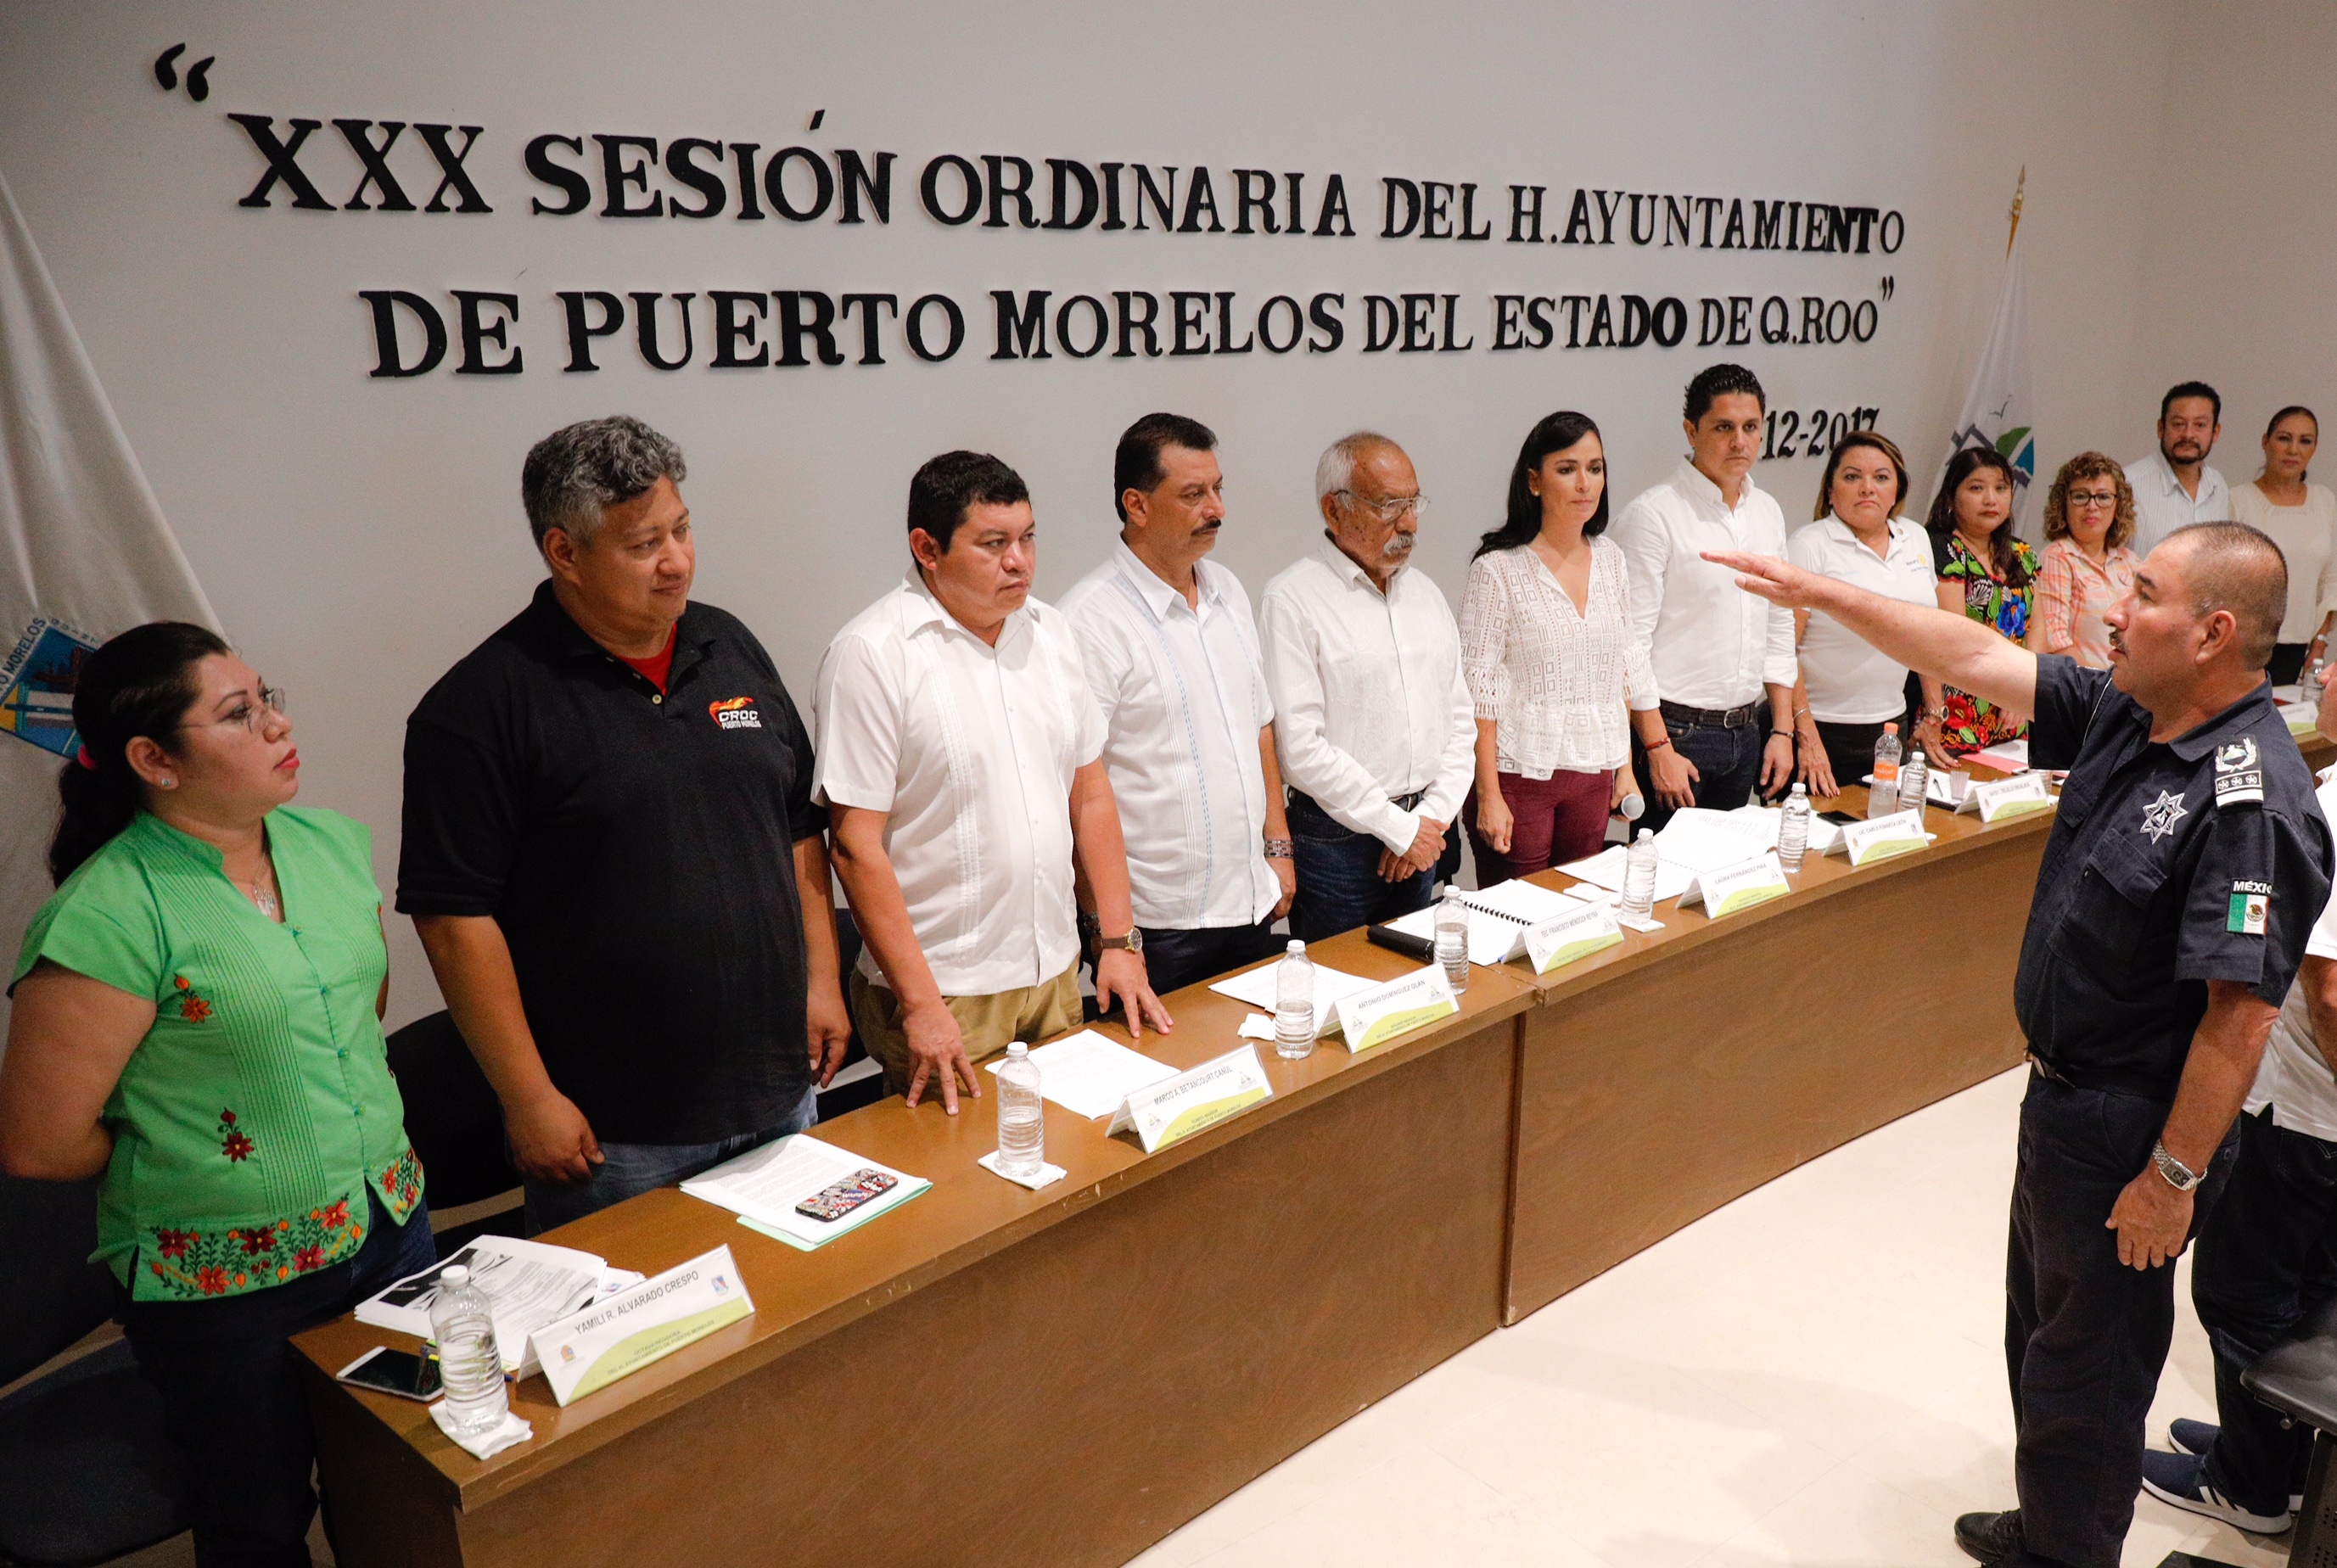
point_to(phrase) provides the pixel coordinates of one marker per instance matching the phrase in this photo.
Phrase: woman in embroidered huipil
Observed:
(1986, 573)
(197, 1016)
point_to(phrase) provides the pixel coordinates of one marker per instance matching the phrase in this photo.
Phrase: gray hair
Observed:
(575, 474)
(1336, 471)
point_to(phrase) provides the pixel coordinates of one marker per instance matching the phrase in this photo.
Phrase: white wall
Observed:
(357, 535)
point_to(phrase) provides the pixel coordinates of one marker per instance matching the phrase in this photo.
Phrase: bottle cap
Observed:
(1018, 1049)
(457, 1275)
(1801, 789)
(1646, 835)
(1889, 729)
(1296, 949)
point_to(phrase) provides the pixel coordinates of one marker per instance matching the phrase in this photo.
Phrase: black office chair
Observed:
(86, 1474)
(860, 1081)
(456, 1126)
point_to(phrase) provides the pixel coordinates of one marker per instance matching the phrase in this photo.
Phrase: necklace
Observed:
(264, 898)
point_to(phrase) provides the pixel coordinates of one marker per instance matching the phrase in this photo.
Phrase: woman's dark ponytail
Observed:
(140, 683)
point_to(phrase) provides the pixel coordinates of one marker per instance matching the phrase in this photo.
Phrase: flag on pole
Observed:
(1998, 410)
(84, 553)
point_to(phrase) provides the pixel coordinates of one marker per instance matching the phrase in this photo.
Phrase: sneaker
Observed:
(2198, 1436)
(2177, 1479)
(2192, 1436)
(1990, 1538)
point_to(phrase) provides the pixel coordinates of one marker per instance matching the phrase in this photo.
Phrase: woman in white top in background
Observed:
(1547, 648)
(1848, 691)
(2302, 518)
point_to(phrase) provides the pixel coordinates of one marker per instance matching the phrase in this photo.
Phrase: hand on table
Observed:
(1119, 974)
(937, 1046)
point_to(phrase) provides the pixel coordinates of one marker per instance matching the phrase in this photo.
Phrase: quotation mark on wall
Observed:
(166, 71)
(1890, 287)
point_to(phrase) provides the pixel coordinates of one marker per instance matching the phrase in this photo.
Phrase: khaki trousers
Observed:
(990, 1024)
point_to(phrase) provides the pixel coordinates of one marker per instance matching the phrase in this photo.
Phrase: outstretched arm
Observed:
(1933, 642)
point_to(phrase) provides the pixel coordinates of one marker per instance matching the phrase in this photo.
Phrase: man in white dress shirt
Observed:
(960, 758)
(1724, 660)
(2174, 487)
(1373, 722)
(1188, 728)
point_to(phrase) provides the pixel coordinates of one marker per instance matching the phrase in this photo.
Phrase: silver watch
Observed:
(2179, 1176)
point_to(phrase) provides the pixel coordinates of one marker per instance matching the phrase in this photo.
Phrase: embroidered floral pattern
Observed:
(234, 1142)
(192, 1006)
(186, 1265)
(401, 1184)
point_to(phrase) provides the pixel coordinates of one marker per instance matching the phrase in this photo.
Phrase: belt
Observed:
(2109, 1081)
(1403, 802)
(1744, 717)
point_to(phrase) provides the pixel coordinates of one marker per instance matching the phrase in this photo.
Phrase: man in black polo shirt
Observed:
(2184, 872)
(611, 854)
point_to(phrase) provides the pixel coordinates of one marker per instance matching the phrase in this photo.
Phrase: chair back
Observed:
(452, 1115)
(54, 1294)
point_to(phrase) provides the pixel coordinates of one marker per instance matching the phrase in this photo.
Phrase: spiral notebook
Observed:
(1497, 918)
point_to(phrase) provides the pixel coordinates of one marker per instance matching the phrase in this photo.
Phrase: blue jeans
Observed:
(1339, 885)
(629, 1170)
(231, 1393)
(1727, 763)
(1174, 960)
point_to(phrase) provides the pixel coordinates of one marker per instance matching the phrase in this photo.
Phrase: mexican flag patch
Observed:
(2251, 914)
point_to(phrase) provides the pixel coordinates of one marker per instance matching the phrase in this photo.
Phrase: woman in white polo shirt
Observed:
(1848, 691)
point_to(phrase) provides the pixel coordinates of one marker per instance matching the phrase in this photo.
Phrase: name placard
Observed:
(1372, 1018)
(2010, 797)
(1728, 888)
(1562, 939)
(635, 1326)
(1175, 1108)
(1880, 838)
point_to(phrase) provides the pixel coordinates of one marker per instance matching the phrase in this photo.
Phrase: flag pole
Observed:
(2017, 191)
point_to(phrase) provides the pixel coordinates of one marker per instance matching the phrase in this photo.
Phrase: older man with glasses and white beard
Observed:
(1374, 723)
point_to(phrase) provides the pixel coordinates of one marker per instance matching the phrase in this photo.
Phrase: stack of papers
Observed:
(2007, 756)
(1825, 837)
(1090, 1076)
(763, 1186)
(1497, 918)
(1256, 987)
(529, 1284)
(1605, 869)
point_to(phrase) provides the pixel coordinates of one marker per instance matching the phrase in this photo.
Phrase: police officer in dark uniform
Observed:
(2186, 869)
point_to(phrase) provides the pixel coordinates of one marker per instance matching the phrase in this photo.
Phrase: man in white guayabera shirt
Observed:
(961, 761)
(1373, 720)
(1188, 728)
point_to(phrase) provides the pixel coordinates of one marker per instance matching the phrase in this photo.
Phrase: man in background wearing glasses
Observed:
(1372, 720)
(1724, 660)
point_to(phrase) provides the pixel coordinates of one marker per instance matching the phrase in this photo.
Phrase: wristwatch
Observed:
(1132, 943)
(2179, 1176)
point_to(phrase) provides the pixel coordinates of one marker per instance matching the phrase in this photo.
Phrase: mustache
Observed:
(1400, 544)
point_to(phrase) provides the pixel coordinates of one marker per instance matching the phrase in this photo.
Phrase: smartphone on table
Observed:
(401, 1373)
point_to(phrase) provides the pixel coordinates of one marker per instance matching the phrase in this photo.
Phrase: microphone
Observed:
(1633, 807)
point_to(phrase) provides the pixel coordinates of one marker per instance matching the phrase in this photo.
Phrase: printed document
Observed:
(528, 1284)
(1090, 1076)
(1256, 987)
(1497, 918)
(764, 1186)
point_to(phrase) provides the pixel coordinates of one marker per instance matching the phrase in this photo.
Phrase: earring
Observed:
(169, 783)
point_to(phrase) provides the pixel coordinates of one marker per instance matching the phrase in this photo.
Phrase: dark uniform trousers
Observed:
(2085, 1336)
(2267, 1262)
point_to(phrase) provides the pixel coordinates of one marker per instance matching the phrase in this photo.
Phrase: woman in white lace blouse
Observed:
(1547, 647)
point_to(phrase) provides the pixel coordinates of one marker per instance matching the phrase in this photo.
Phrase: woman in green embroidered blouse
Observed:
(197, 1016)
(1987, 574)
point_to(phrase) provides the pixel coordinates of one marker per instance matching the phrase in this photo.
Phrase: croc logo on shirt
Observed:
(736, 713)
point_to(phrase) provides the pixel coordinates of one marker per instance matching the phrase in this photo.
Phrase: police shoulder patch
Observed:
(2239, 775)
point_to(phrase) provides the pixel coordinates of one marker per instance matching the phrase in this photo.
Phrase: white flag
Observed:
(84, 553)
(1998, 411)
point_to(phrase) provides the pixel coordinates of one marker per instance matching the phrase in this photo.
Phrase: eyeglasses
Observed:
(252, 716)
(1391, 510)
(2093, 498)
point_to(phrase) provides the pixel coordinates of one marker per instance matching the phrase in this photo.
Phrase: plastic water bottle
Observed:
(1294, 1004)
(1022, 1114)
(1793, 829)
(1882, 795)
(462, 1321)
(1640, 877)
(1914, 780)
(1452, 939)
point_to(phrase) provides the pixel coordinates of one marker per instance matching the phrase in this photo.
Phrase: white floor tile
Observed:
(1813, 1375)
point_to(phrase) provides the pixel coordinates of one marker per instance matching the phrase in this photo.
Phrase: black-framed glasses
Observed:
(252, 715)
(2093, 498)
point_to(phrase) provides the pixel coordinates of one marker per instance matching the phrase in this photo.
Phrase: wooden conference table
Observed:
(988, 1375)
